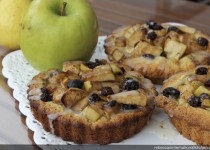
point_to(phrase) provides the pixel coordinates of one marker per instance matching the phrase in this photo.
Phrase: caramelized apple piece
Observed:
(87, 85)
(205, 103)
(115, 68)
(186, 62)
(100, 73)
(58, 94)
(187, 29)
(196, 84)
(201, 57)
(78, 107)
(182, 101)
(114, 85)
(91, 86)
(118, 55)
(120, 42)
(129, 31)
(174, 49)
(97, 106)
(91, 114)
(58, 78)
(160, 32)
(84, 67)
(146, 48)
(135, 38)
(109, 49)
(134, 74)
(72, 66)
(130, 97)
(72, 96)
(201, 90)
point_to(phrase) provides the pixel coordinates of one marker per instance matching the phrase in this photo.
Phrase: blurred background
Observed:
(207, 2)
(114, 13)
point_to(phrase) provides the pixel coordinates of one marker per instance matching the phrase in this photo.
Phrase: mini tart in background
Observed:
(92, 102)
(158, 50)
(186, 99)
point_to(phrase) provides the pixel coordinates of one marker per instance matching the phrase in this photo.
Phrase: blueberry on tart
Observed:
(158, 50)
(186, 99)
(92, 102)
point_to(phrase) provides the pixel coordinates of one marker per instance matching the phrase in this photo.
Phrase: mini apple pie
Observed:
(92, 102)
(158, 51)
(186, 99)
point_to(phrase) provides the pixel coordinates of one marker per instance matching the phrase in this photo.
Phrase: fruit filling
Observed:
(95, 90)
(191, 88)
(158, 50)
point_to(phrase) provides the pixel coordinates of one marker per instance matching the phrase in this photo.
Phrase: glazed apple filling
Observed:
(179, 46)
(172, 42)
(192, 88)
(96, 90)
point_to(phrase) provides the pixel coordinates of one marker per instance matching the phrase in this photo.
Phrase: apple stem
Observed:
(63, 9)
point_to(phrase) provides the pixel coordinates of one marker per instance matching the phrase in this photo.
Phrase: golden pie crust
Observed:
(78, 130)
(63, 120)
(192, 122)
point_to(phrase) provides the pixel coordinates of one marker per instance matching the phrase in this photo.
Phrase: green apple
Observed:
(11, 13)
(54, 31)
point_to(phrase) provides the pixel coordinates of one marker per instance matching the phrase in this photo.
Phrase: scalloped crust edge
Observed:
(184, 120)
(79, 130)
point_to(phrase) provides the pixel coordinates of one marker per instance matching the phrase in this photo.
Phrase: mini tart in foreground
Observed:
(92, 102)
(158, 51)
(186, 99)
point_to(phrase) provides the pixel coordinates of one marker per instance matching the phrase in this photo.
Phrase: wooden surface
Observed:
(111, 14)
(114, 13)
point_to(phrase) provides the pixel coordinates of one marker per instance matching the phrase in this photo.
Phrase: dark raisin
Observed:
(45, 96)
(44, 90)
(163, 54)
(172, 92)
(204, 96)
(130, 84)
(77, 83)
(157, 27)
(105, 91)
(152, 36)
(99, 62)
(92, 65)
(201, 71)
(151, 24)
(55, 73)
(94, 98)
(202, 41)
(173, 28)
(128, 107)
(111, 103)
(207, 83)
(194, 101)
(150, 56)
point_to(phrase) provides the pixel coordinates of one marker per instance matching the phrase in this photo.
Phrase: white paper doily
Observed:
(19, 72)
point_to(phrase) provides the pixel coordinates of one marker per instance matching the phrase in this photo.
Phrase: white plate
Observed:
(19, 72)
